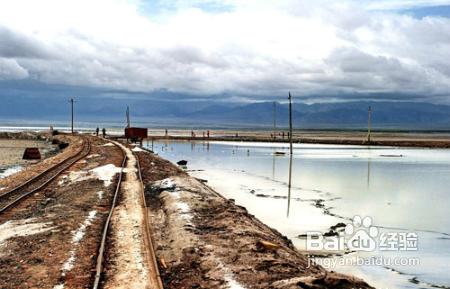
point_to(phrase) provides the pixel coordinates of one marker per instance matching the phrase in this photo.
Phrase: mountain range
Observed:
(204, 113)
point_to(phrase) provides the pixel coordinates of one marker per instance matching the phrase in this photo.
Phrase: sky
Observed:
(236, 50)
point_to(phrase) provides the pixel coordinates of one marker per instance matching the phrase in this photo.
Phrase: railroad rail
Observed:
(150, 252)
(151, 256)
(13, 197)
(102, 249)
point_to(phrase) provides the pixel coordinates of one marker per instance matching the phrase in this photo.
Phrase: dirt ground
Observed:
(11, 151)
(33, 168)
(51, 239)
(203, 240)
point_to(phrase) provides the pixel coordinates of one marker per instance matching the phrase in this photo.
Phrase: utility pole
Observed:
(369, 120)
(274, 119)
(71, 103)
(291, 153)
(290, 122)
(128, 117)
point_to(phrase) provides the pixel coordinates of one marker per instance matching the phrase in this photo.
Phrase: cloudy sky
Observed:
(255, 49)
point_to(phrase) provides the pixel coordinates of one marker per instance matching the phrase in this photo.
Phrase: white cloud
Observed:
(10, 69)
(240, 47)
(404, 4)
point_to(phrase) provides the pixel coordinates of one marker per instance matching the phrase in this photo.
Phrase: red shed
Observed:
(31, 154)
(136, 133)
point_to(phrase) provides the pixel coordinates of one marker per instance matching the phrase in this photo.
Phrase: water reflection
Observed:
(289, 184)
(408, 191)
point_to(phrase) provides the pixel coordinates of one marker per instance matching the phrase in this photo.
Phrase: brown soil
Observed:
(75, 144)
(206, 241)
(43, 259)
(11, 151)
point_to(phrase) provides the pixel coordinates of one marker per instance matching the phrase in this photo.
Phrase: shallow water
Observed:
(403, 190)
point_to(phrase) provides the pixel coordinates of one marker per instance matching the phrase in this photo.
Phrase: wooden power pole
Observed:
(274, 119)
(369, 123)
(71, 103)
(291, 153)
(290, 122)
(128, 117)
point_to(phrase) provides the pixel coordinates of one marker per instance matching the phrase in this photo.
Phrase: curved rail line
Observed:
(14, 196)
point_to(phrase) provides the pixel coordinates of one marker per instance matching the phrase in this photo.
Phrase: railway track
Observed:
(150, 253)
(13, 197)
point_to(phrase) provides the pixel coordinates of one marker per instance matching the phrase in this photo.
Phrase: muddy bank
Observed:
(205, 241)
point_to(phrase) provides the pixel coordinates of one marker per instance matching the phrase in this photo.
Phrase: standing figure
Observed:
(207, 133)
(104, 132)
(97, 130)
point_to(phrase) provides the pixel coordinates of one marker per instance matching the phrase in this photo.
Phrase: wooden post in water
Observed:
(290, 153)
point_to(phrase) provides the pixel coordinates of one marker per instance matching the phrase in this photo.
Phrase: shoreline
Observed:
(417, 140)
(416, 143)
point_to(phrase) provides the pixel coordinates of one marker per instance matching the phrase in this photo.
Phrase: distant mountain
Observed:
(166, 109)
(335, 115)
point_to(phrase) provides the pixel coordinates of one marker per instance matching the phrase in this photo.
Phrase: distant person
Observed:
(167, 132)
(282, 134)
(207, 133)
(97, 130)
(104, 132)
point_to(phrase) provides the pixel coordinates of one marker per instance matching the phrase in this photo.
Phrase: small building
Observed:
(136, 134)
